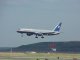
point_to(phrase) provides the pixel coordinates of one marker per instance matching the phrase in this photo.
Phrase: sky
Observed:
(38, 14)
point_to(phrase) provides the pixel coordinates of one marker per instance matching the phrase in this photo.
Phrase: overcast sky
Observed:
(38, 14)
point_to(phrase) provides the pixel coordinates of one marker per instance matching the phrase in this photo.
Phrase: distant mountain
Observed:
(73, 46)
(5, 49)
(38, 47)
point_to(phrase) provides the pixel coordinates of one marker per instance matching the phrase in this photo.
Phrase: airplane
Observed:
(42, 33)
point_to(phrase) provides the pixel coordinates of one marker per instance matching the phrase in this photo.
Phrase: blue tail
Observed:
(57, 28)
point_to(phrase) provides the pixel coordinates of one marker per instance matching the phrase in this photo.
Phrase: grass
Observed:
(34, 56)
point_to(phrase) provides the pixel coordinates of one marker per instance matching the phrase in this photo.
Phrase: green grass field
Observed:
(40, 56)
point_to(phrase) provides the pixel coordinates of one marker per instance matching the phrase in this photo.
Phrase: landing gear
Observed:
(42, 37)
(36, 36)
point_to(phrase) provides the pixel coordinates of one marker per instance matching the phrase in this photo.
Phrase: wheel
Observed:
(42, 37)
(36, 37)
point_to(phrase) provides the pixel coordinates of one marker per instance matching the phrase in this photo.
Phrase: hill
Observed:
(73, 46)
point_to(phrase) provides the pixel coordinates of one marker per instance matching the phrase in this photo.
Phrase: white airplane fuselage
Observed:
(41, 33)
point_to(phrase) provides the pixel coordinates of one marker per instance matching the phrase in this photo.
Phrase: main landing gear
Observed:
(37, 36)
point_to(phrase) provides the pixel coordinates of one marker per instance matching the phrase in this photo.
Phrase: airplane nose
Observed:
(17, 31)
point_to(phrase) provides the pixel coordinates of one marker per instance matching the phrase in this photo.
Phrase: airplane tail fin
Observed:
(57, 28)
